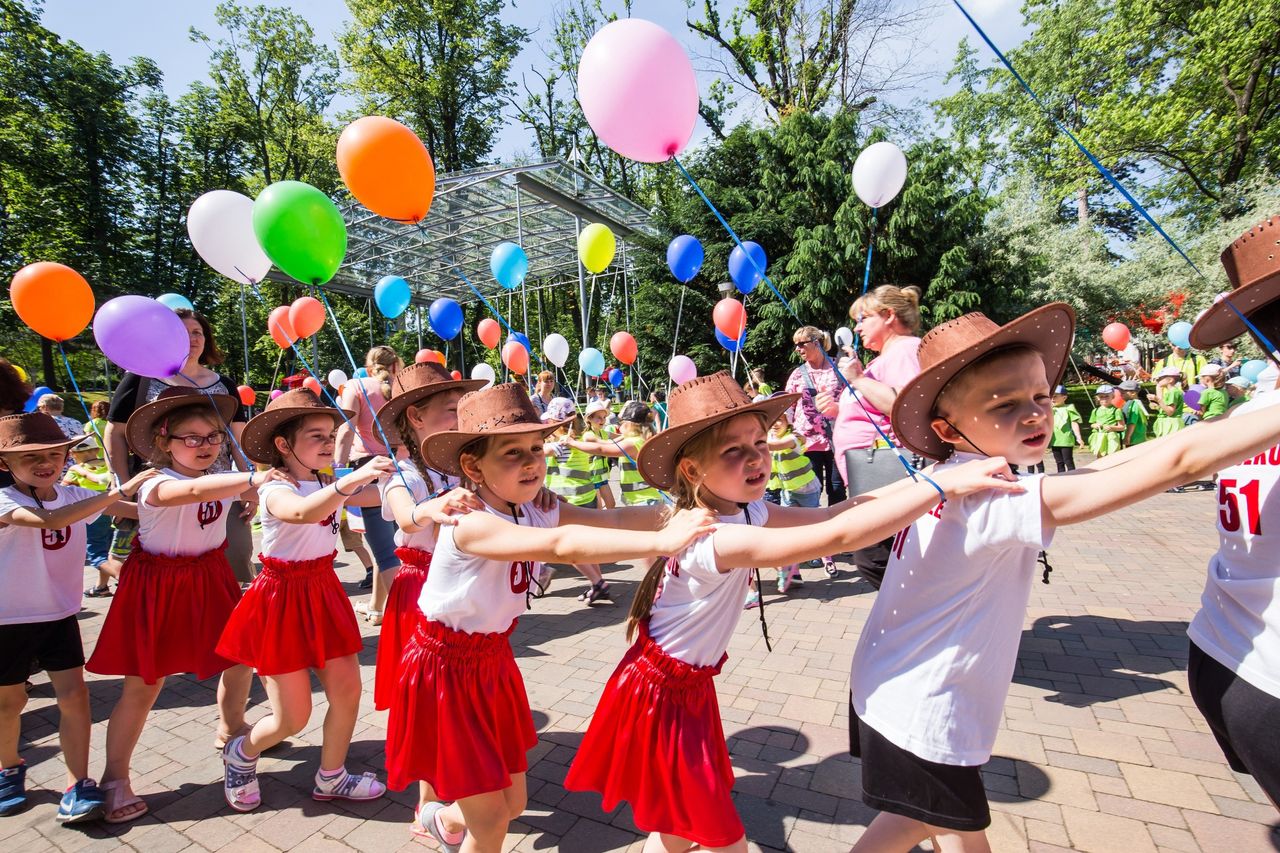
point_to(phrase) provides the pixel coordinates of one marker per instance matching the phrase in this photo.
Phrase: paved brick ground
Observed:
(1101, 747)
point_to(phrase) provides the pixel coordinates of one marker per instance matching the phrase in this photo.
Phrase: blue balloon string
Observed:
(231, 435)
(88, 417)
(495, 312)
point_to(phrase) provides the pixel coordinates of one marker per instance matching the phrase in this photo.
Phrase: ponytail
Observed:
(380, 361)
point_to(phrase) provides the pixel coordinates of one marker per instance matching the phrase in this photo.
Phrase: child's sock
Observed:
(449, 837)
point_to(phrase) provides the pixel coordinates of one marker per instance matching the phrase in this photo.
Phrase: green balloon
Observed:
(301, 230)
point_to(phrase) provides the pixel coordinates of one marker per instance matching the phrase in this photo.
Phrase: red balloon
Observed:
(281, 329)
(422, 356)
(247, 395)
(1118, 400)
(623, 347)
(306, 315)
(515, 357)
(312, 384)
(1116, 336)
(730, 317)
(456, 374)
(436, 356)
(489, 332)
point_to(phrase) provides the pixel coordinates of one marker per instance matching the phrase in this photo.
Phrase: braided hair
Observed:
(410, 440)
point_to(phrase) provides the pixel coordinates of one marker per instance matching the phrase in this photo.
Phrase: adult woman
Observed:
(355, 447)
(814, 376)
(888, 321)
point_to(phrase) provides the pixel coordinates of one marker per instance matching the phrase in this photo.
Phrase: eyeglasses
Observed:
(801, 344)
(213, 439)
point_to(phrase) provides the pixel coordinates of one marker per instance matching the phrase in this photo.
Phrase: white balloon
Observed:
(485, 372)
(337, 378)
(556, 348)
(844, 337)
(879, 173)
(220, 225)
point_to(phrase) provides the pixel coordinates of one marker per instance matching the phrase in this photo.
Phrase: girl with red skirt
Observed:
(176, 589)
(295, 617)
(460, 718)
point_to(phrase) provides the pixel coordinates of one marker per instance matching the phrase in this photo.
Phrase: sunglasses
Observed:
(213, 439)
(801, 345)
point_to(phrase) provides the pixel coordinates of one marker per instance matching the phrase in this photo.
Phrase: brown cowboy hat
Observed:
(259, 433)
(696, 406)
(140, 428)
(500, 410)
(32, 431)
(949, 348)
(1254, 273)
(416, 383)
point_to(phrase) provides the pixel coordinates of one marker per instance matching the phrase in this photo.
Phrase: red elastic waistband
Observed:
(281, 568)
(662, 668)
(440, 639)
(414, 557)
(142, 554)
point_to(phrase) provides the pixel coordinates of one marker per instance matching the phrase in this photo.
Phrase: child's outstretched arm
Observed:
(52, 519)
(1151, 467)
(414, 517)
(605, 448)
(211, 487)
(871, 519)
(619, 518)
(319, 505)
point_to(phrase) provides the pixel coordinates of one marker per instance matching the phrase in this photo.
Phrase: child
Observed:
(933, 664)
(1066, 431)
(1134, 414)
(295, 617)
(176, 588)
(1168, 402)
(598, 429)
(1106, 423)
(656, 738)
(460, 717)
(798, 481)
(1238, 391)
(89, 471)
(634, 431)
(42, 547)
(577, 480)
(1213, 399)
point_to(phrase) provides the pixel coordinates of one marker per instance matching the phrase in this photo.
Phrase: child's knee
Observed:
(12, 700)
(73, 696)
(516, 804)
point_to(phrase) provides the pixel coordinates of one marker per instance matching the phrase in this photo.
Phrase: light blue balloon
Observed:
(175, 301)
(361, 373)
(509, 265)
(391, 295)
(591, 361)
(1252, 369)
(1180, 334)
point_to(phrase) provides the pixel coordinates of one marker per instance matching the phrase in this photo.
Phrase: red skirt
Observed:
(656, 741)
(295, 615)
(399, 621)
(460, 718)
(167, 616)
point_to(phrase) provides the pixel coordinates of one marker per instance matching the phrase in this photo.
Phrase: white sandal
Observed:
(349, 787)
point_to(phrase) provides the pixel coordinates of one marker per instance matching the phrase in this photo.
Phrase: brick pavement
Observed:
(1101, 747)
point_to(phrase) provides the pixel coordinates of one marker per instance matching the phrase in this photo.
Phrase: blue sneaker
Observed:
(13, 790)
(82, 802)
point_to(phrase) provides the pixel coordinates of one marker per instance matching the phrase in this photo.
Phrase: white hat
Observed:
(559, 409)
(596, 406)
(1169, 370)
(1211, 370)
(1240, 382)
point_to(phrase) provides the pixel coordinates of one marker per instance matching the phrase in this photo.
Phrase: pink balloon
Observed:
(275, 393)
(682, 369)
(638, 91)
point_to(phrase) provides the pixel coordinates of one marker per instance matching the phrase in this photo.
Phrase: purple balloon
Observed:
(1191, 397)
(142, 336)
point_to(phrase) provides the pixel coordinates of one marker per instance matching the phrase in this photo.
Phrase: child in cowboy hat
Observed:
(42, 548)
(932, 666)
(460, 718)
(655, 739)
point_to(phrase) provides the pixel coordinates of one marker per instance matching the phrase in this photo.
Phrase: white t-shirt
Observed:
(1238, 624)
(475, 595)
(180, 531)
(41, 570)
(936, 657)
(698, 606)
(424, 540)
(284, 540)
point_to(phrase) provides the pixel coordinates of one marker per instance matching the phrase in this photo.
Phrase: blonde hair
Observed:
(381, 362)
(904, 302)
(631, 428)
(812, 333)
(1218, 380)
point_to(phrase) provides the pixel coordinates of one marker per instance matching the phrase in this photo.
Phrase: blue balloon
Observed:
(731, 345)
(361, 373)
(445, 317)
(684, 257)
(175, 301)
(522, 339)
(1180, 334)
(509, 265)
(1252, 369)
(391, 295)
(30, 405)
(615, 378)
(745, 274)
(591, 361)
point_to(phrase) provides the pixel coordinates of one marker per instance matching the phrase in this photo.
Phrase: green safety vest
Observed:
(635, 491)
(792, 470)
(575, 479)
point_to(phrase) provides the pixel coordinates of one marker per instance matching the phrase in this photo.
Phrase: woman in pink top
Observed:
(888, 321)
(816, 375)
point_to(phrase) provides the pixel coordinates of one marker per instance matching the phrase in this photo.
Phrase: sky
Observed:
(159, 29)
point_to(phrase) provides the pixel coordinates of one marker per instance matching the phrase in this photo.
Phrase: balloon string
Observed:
(492, 310)
(218, 414)
(866, 274)
(102, 440)
(675, 344)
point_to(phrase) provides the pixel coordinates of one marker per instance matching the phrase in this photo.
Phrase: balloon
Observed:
(436, 356)
(275, 393)
(729, 343)
(879, 173)
(615, 378)
(489, 332)
(306, 316)
(220, 225)
(387, 168)
(391, 295)
(1191, 397)
(596, 246)
(301, 230)
(556, 349)
(247, 395)
(337, 378)
(681, 369)
(638, 91)
(1180, 334)
(22, 373)
(1118, 400)
(1116, 336)
(844, 337)
(312, 384)
(34, 399)
(1252, 369)
(522, 339)
(456, 374)
(361, 373)
(53, 299)
(509, 265)
(281, 329)
(623, 347)
(591, 360)
(175, 301)
(485, 372)
(423, 355)
(684, 257)
(445, 317)
(745, 274)
(730, 317)
(515, 357)
(142, 336)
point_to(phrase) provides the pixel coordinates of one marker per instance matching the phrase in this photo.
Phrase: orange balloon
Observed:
(312, 384)
(515, 357)
(53, 299)
(437, 357)
(387, 168)
(280, 327)
(456, 374)
(488, 331)
(306, 316)
(247, 395)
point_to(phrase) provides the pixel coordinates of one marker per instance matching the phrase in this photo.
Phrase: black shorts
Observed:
(51, 646)
(1243, 718)
(948, 796)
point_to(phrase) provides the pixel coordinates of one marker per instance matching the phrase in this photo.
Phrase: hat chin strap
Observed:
(314, 472)
(972, 443)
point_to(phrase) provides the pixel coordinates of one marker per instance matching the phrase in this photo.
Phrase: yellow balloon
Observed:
(22, 374)
(596, 245)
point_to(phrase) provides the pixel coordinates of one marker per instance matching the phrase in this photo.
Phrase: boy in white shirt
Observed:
(934, 662)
